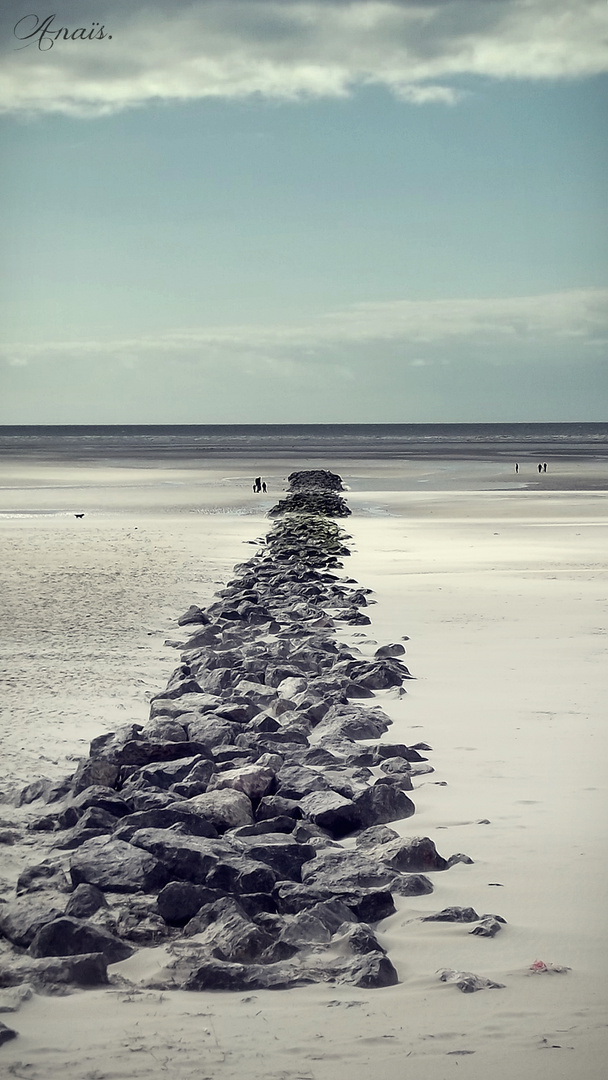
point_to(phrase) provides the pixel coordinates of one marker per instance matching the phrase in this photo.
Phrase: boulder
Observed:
(411, 855)
(179, 901)
(20, 919)
(453, 914)
(115, 866)
(177, 813)
(331, 811)
(52, 974)
(95, 771)
(279, 851)
(173, 708)
(225, 808)
(229, 934)
(211, 730)
(68, 936)
(85, 901)
(41, 876)
(183, 857)
(354, 722)
(255, 781)
(381, 803)
(6, 1033)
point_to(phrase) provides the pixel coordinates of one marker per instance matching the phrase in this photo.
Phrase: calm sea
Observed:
(328, 441)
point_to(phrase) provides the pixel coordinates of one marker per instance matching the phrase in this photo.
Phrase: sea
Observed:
(194, 442)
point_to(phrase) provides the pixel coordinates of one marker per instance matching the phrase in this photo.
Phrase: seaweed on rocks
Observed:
(217, 826)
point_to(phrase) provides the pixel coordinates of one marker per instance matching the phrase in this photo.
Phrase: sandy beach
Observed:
(499, 582)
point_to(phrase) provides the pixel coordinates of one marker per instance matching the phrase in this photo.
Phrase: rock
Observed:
(95, 771)
(51, 974)
(339, 869)
(85, 901)
(296, 781)
(104, 798)
(411, 855)
(354, 722)
(281, 852)
(468, 982)
(339, 816)
(305, 929)
(212, 731)
(40, 876)
(272, 805)
(168, 708)
(453, 914)
(381, 803)
(68, 936)
(21, 919)
(192, 615)
(358, 939)
(177, 813)
(255, 781)
(115, 866)
(163, 729)
(390, 750)
(229, 934)
(390, 650)
(182, 856)
(6, 1034)
(459, 858)
(489, 926)
(179, 901)
(225, 808)
(94, 822)
(12, 998)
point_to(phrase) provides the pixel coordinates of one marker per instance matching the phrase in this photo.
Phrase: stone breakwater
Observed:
(217, 827)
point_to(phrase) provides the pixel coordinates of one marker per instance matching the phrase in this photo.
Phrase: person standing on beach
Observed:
(516, 466)
(540, 468)
(544, 466)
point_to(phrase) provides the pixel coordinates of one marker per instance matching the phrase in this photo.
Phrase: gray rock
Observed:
(52, 974)
(68, 936)
(20, 919)
(279, 851)
(255, 781)
(453, 914)
(331, 811)
(468, 982)
(179, 901)
(381, 803)
(225, 809)
(183, 857)
(6, 1033)
(41, 876)
(115, 866)
(85, 901)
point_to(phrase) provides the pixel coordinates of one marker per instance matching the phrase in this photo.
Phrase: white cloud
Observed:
(184, 50)
(397, 329)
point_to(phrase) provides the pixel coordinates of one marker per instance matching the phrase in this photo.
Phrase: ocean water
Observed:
(323, 441)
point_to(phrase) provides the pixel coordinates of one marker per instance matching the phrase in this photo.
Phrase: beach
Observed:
(499, 582)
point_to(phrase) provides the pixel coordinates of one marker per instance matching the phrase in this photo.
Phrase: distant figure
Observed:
(544, 466)
(516, 466)
(78, 515)
(540, 468)
(257, 484)
(264, 489)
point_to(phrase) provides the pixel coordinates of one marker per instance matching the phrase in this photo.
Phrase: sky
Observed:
(303, 211)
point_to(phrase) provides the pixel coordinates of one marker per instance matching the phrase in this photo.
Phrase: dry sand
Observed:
(500, 583)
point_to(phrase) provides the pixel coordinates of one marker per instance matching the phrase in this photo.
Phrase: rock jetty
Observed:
(216, 828)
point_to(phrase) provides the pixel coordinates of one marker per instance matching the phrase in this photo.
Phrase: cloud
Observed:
(516, 327)
(290, 50)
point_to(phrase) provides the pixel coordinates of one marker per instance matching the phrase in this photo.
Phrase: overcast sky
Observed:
(277, 211)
